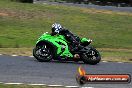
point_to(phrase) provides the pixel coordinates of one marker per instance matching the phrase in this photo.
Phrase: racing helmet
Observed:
(56, 28)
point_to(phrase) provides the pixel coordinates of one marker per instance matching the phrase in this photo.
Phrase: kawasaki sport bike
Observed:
(56, 47)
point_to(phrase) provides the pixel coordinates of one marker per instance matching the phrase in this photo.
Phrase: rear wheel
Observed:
(92, 56)
(42, 53)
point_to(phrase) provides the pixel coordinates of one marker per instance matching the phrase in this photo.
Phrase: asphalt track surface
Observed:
(21, 69)
(111, 8)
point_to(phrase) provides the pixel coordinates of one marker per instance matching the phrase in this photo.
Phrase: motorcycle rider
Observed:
(74, 40)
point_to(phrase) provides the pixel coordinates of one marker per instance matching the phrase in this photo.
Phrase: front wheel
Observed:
(92, 56)
(42, 53)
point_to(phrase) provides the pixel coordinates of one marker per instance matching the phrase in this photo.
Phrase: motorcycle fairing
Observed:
(59, 41)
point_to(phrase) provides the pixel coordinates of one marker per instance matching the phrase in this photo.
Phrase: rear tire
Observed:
(43, 53)
(91, 57)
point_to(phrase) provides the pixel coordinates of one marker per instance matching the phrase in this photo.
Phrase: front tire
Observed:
(92, 56)
(43, 53)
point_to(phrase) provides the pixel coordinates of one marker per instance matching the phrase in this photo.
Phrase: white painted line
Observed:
(119, 62)
(87, 87)
(13, 83)
(31, 56)
(54, 85)
(104, 61)
(14, 55)
(0, 54)
(37, 84)
(1, 82)
(72, 86)
(44, 3)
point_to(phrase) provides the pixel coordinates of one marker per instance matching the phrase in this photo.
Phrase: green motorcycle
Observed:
(58, 48)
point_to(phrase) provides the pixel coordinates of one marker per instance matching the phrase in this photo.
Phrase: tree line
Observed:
(98, 2)
(24, 1)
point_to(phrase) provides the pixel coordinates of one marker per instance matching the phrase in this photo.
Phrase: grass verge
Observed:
(115, 55)
(22, 23)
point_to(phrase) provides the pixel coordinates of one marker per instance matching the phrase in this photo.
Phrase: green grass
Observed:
(116, 55)
(21, 24)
